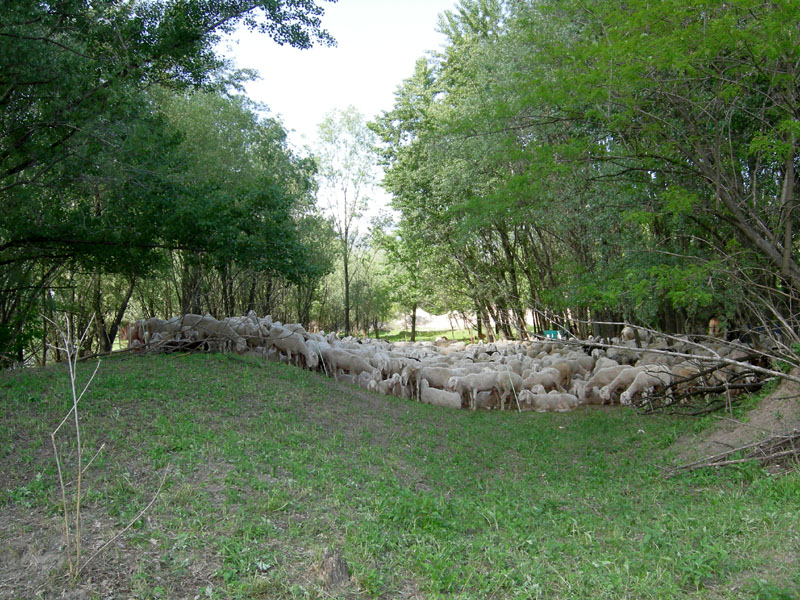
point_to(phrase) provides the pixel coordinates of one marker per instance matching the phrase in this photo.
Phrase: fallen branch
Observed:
(774, 449)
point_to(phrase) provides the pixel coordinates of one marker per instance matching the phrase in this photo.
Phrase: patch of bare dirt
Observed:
(33, 560)
(776, 414)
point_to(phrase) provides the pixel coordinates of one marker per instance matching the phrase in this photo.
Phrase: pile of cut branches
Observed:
(713, 388)
(782, 449)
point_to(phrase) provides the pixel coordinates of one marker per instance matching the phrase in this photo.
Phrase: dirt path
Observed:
(778, 413)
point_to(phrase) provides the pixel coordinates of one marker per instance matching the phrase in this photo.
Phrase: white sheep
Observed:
(603, 362)
(366, 380)
(436, 377)
(548, 377)
(469, 385)
(296, 348)
(686, 377)
(567, 368)
(515, 365)
(341, 359)
(559, 402)
(509, 385)
(601, 378)
(390, 386)
(247, 329)
(586, 361)
(578, 389)
(488, 399)
(154, 325)
(408, 376)
(552, 401)
(437, 397)
(216, 332)
(626, 356)
(651, 378)
(620, 382)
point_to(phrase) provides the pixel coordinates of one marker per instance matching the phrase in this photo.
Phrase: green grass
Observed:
(270, 466)
(404, 335)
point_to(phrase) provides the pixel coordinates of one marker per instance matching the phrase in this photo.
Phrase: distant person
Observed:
(713, 327)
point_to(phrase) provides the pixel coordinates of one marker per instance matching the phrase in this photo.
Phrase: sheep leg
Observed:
(334, 369)
(501, 395)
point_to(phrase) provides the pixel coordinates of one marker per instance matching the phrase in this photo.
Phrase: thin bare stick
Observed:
(86, 387)
(519, 408)
(64, 420)
(63, 502)
(764, 450)
(721, 455)
(96, 454)
(72, 355)
(698, 358)
(72, 360)
(738, 461)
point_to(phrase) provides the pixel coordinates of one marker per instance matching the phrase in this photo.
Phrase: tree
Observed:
(318, 239)
(347, 175)
(441, 172)
(699, 98)
(404, 256)
(72, 77)
(606, 162)
(237, 190)
(85, 158)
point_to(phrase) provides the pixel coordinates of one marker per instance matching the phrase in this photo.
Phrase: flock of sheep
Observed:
(545, 375)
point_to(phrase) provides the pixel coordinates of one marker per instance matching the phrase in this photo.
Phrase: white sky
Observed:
(378, 43)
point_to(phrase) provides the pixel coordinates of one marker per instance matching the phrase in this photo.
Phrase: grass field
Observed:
(404, 335)
(274, 474)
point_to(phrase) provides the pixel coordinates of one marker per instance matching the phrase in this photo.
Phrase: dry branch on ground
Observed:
(782, 449)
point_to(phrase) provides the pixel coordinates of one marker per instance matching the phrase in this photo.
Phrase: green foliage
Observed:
(238, 186)
(622, 159)
(99, 173)
(347, 176)
(81, 134)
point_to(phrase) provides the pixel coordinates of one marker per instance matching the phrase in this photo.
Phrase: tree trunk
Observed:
(105, 334)
(251, 298)
(515, 302)
(120, 314)
(787, 201)
(414, 323)
(488, 317)
(99, 316)
(227, 290)
(190, 286)
(268, 289)
(44, 322)
(776, 256)
(346, 261)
